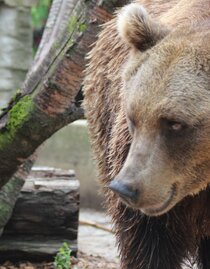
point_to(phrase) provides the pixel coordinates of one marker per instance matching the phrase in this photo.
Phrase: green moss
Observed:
(5, 211)
(18, 115)
(72, 23)
(76, 25)
(82, 27)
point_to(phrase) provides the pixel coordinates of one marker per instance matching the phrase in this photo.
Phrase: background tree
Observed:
(51, 96)
(15, 45)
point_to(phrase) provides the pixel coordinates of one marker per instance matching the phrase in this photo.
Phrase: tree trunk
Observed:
(50, 98)
(11, 190)
(45, 215)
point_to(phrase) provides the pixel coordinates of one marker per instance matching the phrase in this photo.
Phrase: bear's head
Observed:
(167, 106)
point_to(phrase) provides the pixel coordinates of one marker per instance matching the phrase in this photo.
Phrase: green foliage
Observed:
(40, 13)
(63, 257)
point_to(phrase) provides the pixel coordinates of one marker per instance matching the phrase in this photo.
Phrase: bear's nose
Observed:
(124, 190)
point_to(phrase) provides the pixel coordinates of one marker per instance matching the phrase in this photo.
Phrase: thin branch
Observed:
(95, 225)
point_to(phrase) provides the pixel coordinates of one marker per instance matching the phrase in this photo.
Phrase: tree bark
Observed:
(51, 94)
(11, 190)
(45, 215)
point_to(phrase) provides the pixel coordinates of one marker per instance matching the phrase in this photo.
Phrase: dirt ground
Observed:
(91, 262)
(96, 246)
(83, 261)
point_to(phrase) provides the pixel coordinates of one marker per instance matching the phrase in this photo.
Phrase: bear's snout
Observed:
(124, 190)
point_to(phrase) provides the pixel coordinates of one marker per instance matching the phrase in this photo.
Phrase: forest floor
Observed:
(83, 261)
(96, 246)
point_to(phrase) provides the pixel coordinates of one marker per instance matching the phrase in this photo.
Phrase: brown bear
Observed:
(147, 101)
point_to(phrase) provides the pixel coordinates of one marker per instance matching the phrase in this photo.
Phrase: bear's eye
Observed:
(173, 126)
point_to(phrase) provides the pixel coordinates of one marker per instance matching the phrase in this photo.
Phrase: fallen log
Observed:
(45, 216)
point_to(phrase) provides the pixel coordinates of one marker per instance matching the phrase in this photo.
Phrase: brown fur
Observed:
(176, 86)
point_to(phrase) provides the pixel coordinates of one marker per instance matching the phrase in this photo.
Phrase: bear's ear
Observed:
(137, 28)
